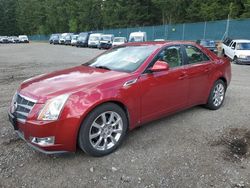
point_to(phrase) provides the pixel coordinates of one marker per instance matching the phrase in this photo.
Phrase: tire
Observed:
(235, 60)
(217, 95)
(98, 128)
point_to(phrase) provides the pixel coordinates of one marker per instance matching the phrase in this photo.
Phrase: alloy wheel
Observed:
(218, 94)
(106, 130)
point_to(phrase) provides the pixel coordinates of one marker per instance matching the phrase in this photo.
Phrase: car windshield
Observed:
(82, 36)
(136, 39)
(209, 43)
(243, 46)
(94, 38)
(68, 37)
(106, 38)
(119, 40)
(124, 59)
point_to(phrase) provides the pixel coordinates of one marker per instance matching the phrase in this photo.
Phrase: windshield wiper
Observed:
(102, 67)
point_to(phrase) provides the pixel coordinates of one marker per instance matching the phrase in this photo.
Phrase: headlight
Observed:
(242, 56)
(53, 108)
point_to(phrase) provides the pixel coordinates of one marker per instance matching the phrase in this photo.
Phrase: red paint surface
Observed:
(154, 95)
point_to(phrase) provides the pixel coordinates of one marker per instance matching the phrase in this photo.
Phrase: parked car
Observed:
(94, 105)
(138, 37)
(94, 40)
(13, 39)
(10, 39)
(52, 36)
(4, 39)
(68, 38)
(210, 44)
(106, 41)
(82, 40)
(119, 41)
(237, 50)
(23, 38)
(74, 40)
(62, 38)
(55, 39)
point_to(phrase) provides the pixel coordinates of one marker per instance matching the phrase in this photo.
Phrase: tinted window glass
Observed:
(195, 55)
(172, 55)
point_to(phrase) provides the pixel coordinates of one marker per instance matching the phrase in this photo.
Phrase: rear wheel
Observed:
(217, 95)
(103, 130)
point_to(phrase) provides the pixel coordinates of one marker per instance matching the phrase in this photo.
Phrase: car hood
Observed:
(244, 52)
(46, 86)
(118, 43)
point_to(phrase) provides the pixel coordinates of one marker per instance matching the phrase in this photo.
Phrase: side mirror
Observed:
(233, 47)
(160, 66)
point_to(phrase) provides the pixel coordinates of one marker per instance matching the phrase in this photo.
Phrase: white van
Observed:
(138, 37)
(23, 38)
(119, 41)
(62, 38)
(94, 39)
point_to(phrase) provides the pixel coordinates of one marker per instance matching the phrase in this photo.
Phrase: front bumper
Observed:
(55, 41)
(83, 44)
(243, 61)
(67, 42)
(64, 132)
(93, 45)
(105, 45)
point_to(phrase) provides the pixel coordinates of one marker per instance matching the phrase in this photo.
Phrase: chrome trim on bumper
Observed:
(37, 148)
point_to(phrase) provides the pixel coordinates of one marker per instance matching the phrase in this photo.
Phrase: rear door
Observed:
(198, 68)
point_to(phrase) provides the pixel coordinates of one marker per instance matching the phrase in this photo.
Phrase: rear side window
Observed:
(195, 55)
(227, 41)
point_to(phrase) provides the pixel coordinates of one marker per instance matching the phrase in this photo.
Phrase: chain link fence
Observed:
(215, 30)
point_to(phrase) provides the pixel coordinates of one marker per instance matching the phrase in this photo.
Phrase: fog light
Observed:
(46, 141)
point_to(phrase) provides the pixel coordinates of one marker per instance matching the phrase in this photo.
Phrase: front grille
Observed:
(23, 107)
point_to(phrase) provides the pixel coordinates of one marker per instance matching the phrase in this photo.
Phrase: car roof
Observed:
(107, 35)
(241, 40)
(93, 34)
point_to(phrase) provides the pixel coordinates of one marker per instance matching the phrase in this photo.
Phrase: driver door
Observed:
(165, 91)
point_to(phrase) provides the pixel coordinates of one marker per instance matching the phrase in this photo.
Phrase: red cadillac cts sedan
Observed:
(95, 104)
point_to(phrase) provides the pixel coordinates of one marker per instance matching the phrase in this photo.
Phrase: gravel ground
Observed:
(182, 150)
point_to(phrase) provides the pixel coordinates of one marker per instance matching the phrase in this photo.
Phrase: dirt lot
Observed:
(194, 148)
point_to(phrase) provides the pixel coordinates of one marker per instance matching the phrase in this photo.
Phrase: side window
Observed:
(195, 55)
(234, 45)
(172, 55)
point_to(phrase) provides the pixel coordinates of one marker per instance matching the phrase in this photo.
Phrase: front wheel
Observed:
(217, 95)
(235, 60)
(103, 130)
